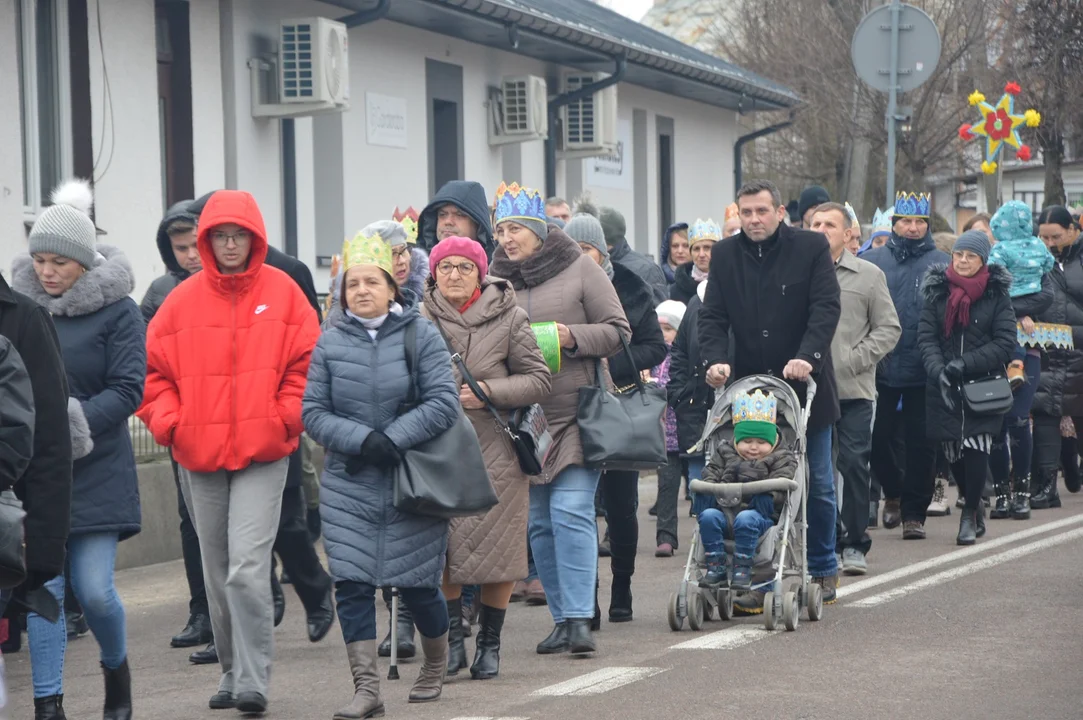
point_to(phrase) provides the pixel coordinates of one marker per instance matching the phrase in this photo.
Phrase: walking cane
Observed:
(393, 670)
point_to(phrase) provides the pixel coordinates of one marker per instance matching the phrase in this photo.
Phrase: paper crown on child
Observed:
(703, 230)
(755, 416)
(408, 219)
(881, 220)
(516, 202)
(911, 204)
(367, 250)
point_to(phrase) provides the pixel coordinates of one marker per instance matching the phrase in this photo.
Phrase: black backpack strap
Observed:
(410, 343)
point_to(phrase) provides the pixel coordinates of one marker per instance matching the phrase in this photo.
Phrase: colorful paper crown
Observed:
(408, 220)
(881, 220)
(732, 211)
(515, 202)
(703, 230)
(364, 250)
(756, 407)
(909, 204)
(854, 222)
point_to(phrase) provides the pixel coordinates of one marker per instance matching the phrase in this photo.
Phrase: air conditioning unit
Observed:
(518, 110)
(590, 124)
(313, 62)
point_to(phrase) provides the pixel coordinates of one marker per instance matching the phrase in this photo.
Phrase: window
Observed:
(44, 98)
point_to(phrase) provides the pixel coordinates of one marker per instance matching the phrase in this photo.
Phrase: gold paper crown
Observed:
(408, 219)
(364, 250)
(756, 407)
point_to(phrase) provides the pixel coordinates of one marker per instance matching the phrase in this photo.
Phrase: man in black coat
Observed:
(621, 252)
(775, 288)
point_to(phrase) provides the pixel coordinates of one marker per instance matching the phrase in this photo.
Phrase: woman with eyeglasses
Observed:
(481, 321)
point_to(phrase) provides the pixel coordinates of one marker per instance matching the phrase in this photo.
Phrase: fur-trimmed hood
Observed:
(936, 286)
(419, 270)
(111, 280)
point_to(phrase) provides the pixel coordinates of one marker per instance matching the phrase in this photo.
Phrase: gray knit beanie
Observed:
(65, 227)
(976, 242)
(392, 232)
(585, 227)
(613, 224)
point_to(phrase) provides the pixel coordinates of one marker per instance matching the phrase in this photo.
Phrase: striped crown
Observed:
(515, 202)
(756, 407)
(854, 222)
(911, 204)
(408, 219)
(704, 230)
(364, 250)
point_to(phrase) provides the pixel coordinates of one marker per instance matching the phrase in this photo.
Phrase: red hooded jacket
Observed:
(227, 355)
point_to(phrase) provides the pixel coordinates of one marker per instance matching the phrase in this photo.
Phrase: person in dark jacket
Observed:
(811, 198)
(16, 416)
(1060, 389)
(674, 251)
(459, 209)
(701, 236)
(621, 252)
(177, 245)
(775, 288)
(102, 335)
(907, 484)
(967, 332)
(358, 381)
(620, 488)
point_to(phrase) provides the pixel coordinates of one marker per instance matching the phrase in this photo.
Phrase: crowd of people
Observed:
(937, 360)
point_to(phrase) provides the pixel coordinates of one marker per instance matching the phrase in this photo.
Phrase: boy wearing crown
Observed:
(755, 454)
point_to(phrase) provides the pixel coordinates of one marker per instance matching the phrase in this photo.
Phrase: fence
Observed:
(143, 444)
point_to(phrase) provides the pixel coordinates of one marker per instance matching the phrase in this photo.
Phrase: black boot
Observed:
(580, 640)
(279, 599)
(118, 693)
(407, 648)
(596, 621)
(557, 642)
(456, 648)
(1069, 460)
(620, 599)
(1021, 498)
(1002, 503)
(487, 659)
(1046, 495)
(49, 708)
(967, 527)
(979, 522)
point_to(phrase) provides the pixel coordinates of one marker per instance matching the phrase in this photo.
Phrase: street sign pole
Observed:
(892, 98)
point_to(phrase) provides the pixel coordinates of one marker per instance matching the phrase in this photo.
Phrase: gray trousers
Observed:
(236, 516)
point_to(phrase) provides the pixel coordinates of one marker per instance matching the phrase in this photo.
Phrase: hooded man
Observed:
(620, 252)
(177, 246)
(674, 251)
(908, 254)
(459, 209)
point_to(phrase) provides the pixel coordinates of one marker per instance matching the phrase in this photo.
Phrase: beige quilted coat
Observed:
(496, 343)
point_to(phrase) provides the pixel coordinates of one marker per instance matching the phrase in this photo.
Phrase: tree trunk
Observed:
(1053, 155)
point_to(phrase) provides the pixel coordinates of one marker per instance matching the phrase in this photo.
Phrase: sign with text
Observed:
(385, 120)
(614, 170)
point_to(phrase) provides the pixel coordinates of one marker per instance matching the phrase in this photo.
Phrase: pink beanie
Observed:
(463, 247)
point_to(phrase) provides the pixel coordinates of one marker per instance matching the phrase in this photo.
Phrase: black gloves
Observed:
(955, 369)
(947, 389)
(377, 451)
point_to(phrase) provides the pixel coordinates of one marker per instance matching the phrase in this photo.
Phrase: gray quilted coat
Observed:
(356, 385)
(499, 349)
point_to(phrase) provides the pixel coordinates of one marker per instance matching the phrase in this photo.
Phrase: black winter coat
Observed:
(1060, 390)
(16, 416)
(684, 287)
(781, 299)
(688, 392)
(648, 345)
(643, 266)
(45, 487)
(175, 274)
(986, 347)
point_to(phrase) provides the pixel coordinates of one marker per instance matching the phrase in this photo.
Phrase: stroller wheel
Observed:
(673, 612)
(791, 610)
(725, 604)
(815, 601)
(770, 619)
(695, 610)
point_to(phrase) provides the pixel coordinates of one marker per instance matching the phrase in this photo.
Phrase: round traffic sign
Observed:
(919, 48)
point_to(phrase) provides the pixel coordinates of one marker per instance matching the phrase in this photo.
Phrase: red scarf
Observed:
(964, 291)
(473, 299)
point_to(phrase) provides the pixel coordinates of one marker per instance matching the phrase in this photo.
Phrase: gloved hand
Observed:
(378, 450)
(955, 369)
(947, 390)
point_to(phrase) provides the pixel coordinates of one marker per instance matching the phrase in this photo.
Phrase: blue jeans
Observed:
(821, 505)
(564, 540)
(92, 558)
(356, 603)
(748, 526)
(48, 642)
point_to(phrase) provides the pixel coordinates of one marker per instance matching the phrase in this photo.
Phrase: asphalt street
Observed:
(933, 631)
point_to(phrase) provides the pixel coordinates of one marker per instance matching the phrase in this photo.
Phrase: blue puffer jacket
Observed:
(356, 385)
(905, 263)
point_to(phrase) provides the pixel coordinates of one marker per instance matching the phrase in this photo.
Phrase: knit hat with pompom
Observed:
(65, 227)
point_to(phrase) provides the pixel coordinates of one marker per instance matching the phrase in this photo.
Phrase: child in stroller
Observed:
(754, 454)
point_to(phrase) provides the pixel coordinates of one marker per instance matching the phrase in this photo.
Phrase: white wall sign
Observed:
(385, 120)
(615, 170)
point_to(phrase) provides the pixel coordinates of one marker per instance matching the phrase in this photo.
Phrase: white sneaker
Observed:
(939, 507)
(853, 562)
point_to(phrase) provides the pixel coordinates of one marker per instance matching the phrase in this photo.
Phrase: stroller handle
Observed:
(748, 489)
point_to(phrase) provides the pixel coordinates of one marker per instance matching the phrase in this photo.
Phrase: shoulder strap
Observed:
(410, 343)
(468, 378)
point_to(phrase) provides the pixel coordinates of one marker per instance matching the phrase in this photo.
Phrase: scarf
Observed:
(473, 299)
(963, 292)
(698, 275)
(373, 325)
(902, 249)
(556, 254)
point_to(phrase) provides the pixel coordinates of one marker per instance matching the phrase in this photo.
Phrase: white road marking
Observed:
(598, 682)
(969, 569)
(908, 570)
(490, 718)
(732, 637)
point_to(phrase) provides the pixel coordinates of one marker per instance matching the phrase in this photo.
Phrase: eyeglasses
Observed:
(464, 268)
(399, 252)
(241, 237)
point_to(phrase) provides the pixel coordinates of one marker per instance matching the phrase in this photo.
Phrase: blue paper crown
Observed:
(704, 230)
(755, 407)
(912, 204)
(513, 201)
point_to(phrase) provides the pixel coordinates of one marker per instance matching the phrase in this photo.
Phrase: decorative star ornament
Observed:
(999, 125)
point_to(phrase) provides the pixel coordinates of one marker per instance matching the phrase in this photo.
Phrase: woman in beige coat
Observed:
(481, 322)
(555, 282)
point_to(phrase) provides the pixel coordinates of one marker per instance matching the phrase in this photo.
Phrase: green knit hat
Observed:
(754, 416)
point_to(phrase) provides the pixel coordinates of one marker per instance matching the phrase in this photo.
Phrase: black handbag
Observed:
(622, 430)
(12, 541)
(444, 477)
(528, 429)
(987, 396)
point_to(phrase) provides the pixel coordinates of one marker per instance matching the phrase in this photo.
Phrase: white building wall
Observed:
(208, 120)
(12, 231)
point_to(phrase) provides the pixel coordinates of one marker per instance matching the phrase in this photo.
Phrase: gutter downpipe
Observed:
(560, 101)
(741, 141)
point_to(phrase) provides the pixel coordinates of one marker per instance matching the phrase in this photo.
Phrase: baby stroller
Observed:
(780, 565)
